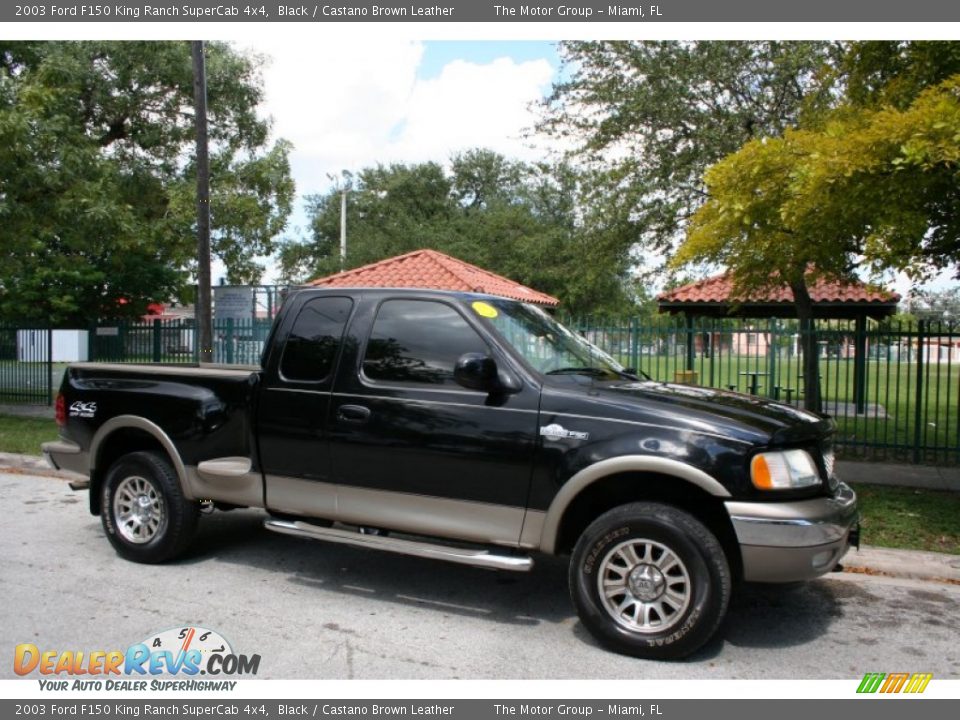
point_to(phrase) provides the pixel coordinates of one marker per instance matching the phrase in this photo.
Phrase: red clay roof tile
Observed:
(719, 289)
(435, 271)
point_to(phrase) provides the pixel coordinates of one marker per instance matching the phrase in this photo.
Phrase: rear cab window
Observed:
(310, 352)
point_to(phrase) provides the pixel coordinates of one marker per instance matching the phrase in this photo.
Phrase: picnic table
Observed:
(753, 381)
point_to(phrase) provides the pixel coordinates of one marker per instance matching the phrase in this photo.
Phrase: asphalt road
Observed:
(315, 610)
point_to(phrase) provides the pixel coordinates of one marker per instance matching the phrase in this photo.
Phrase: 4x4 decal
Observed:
(83, 409)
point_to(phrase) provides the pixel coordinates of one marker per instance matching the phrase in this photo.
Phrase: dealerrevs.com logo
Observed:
(184, 652)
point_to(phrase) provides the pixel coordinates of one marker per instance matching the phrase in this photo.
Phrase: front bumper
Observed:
(791, 541)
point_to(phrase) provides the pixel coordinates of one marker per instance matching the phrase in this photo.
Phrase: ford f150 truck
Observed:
(473, 429)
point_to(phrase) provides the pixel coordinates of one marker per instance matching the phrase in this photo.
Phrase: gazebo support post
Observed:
(690, 353)
(772, 391)
(860, 364)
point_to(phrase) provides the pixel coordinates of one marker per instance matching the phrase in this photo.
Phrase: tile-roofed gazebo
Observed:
(434, 270)
(841, 299)
(838, 299)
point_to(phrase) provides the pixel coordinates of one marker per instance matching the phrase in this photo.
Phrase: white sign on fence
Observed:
(231, 302)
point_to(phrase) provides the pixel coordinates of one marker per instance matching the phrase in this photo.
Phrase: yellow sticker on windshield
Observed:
(484, 309)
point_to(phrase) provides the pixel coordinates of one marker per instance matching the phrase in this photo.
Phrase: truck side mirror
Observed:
(477, 371)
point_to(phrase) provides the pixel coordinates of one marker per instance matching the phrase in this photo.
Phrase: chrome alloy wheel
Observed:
(139, 510)
(644, 586)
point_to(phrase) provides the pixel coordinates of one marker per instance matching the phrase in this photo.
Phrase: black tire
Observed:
(149, 475)
(693, 594)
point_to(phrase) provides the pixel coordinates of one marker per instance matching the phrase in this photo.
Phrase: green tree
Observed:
(524, 221)
(876, 186)
(938, 305)
(650, 117)
(97, 204)
(878, 73)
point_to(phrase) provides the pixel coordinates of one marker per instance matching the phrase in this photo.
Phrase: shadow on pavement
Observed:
(760, 616)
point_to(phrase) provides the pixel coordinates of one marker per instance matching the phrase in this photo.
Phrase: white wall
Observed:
(68, 345)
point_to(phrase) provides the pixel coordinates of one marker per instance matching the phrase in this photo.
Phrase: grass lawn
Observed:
(23, 435)
(910, 519)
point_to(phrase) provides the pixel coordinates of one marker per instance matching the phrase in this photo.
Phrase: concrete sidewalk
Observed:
(915, 476)
(869, 560)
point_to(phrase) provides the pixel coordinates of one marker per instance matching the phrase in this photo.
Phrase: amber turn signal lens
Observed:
(760, 473)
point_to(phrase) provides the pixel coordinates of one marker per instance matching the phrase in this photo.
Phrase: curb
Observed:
(33, 465)
(911, 564)
(868, 560)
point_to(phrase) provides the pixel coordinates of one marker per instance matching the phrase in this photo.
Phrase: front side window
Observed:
(418, 341)
(315, 338)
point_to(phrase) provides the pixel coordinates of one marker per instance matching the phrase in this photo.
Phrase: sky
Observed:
(347, 105)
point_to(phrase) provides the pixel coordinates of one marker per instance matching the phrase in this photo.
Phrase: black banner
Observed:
(738, 11)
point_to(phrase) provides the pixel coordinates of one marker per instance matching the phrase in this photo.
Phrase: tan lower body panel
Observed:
(310, 498)
(426, 515)
(404, 512)
(532, 529)
(73, 462)
(246, 489)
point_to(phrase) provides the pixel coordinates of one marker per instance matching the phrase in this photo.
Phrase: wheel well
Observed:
(116, 445)
(622, 488)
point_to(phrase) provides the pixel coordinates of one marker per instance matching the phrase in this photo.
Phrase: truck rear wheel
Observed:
(650, 580)
(144, 512)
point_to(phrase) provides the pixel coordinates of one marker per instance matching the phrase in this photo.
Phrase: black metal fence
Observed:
(175, 341)
(894, 390)
(32, 359)
(26, 365)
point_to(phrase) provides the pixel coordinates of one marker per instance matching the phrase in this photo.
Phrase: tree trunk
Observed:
(809, 346)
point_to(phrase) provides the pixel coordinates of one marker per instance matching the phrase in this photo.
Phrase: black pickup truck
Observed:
(473, 429)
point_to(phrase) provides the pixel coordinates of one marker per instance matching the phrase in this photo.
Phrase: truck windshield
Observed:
(545, 344)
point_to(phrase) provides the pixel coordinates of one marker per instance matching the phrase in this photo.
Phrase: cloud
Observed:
(471, 105)
(349, 105)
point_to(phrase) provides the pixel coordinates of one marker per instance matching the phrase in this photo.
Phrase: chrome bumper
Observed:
(790, 541)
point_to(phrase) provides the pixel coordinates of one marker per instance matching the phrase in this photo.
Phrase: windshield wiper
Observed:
(598, 372)
(595, 371)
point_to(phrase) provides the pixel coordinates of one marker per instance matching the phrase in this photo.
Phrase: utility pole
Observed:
(343, 190)
(203, 309)
(343, 228)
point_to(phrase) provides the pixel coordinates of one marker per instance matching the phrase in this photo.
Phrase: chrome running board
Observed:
(464, 556)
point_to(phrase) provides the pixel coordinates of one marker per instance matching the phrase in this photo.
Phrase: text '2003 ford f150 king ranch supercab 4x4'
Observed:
(473, 429)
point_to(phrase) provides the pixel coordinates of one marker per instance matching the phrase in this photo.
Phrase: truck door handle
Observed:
(353, 413)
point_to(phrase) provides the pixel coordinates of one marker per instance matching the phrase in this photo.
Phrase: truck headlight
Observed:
(784, 470)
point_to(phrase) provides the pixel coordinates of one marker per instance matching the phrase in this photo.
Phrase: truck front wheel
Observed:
(650, 580)
(144, 512)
